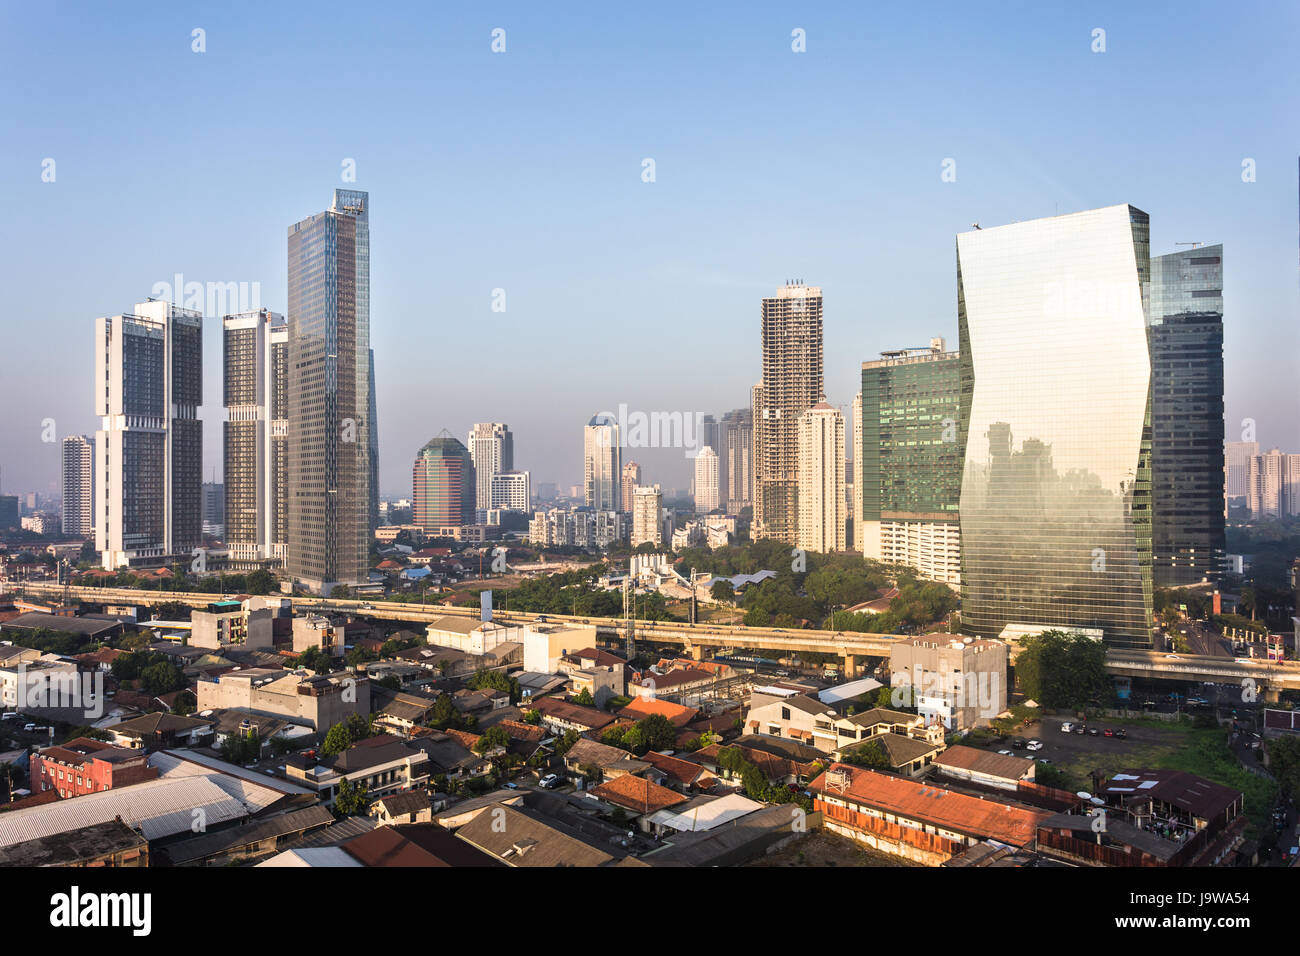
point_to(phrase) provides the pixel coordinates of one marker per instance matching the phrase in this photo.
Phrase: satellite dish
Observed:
(1084, 795)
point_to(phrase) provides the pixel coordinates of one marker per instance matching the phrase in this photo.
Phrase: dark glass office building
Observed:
(1186, 336)
(329, 394)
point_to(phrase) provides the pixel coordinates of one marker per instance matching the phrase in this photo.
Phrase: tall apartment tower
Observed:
(1185, 332)
(792, 384)
(706, 480)
(602, 471)
(1056, 426)
(631, 478)
(492, 449)
(256, 437)
(736, 460)
(1236, 467)
(372, 416)
(443, 490)
(78, 486)
(149, 448)
(911, 460)
(330, 447)
(647, 515)
(855, 512)
(822, 513)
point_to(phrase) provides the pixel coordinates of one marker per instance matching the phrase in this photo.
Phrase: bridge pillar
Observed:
(1269, 694)
(850, 666)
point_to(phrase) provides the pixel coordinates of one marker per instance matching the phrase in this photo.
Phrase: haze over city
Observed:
(521, 172)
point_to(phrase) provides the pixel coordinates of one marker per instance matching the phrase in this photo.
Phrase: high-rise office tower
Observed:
(736, 460)
(329, 394)
(792, 383)
(256, 437)
(1237, 456)
(631, 478)
(443, 488)
(214, 509)
(373, 447)
(78, 486)
(855, 511)
(492, 449)
(1056, 425)
(822, 513)
(1187, 482)
(911, 460)
(706, 480)
(149, 450)
(647, 515)
(1273, 485)
(602, 470)
(511, 490)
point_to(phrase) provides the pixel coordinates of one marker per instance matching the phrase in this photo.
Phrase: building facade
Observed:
(792, 383)
(149, 448)
(511, 490)
(78, 482)
(910, 460)
(821, 500)
(443, 489)
(1187, 481)
(647, 515)
(329, 472)
(1236, 467)
(706, 480)
(1055, 429)
(256, 437)
(736, 459)
(492, 450)
(602, 470)
(631, 478)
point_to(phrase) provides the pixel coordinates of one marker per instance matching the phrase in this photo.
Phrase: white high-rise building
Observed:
(1236, 467)
(602, 470)
(78, 486)
(647, 515)
(491, 450)
(706, 480)
(821, 479)
(256, 437)
(511, 490)
(149, 448)
(1273, 485)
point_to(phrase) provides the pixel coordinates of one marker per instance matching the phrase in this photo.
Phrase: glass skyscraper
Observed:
(1187, 473)
(442, 485)
(329, 394)
(911, 461)
(1056, 425)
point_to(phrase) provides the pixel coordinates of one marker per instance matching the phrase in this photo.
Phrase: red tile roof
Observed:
(637, 794)
(643, 707)
(923, 802)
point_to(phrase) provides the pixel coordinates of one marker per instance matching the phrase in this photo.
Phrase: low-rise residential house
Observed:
(984, 768)
(401, 713)
(162, 731)
(558, 716)
(598, 672)
(688, 683)
(678, 774)
(779, 759)
(796, 717)
(83, 766)
(585, 754)
(676, 714)
(636, 796)
(908, 756)
(408, 806)
(518, 836)
(955, 681)
(702, 813)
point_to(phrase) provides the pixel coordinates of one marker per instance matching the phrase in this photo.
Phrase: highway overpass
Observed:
(852, 647)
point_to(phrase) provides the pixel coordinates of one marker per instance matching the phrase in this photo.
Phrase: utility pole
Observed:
(629, 615)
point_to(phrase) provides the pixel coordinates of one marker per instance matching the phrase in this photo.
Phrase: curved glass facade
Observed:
(1056, 425)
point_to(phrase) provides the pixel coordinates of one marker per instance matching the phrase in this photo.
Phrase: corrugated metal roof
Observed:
(158, 807)
(227, 776)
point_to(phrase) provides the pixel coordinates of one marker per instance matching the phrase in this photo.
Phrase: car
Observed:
(1121, 733)
(29, 727)
(1034, 745)
(1172, 657)
(1066, 727)
(1042, 760)
(1094, 731)
(1108, 732)
(1081, 729)
(1018, 743)
(9, 715)
(549, 782)
(511, 785)
(1006, 753)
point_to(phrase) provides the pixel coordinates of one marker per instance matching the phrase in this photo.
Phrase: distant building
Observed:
(706, 480)
(647, 515)
(822, 520)
(601, 465)
(1237, 456)
(492, 451)
(78, 486)
(443, 484)
(956, 681)
(510, 490)
(736, 459)
(631, 478)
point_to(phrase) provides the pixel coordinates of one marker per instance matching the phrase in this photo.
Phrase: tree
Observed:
(1062, 670)
(337, 740)
(349, 800)
(161, 678)
(657, 731)
(870, 754)
(260, 582)
(491, 739)
(722, 591)
(584, 698)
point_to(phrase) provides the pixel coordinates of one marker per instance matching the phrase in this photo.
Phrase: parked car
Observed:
(1080, 729)
(1066, 727)
(1121, 733)
(1108, 733)
(1006, 753)
(549, 782)
(1094, 731)
(1034, 745)
(1018, 743)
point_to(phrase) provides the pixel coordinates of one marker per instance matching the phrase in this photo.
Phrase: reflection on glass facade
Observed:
(1056, 425)
(442, 485)
(329, 391)
(1186, 335)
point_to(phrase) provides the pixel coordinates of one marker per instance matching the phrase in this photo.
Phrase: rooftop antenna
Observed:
(1194, 245)
(975, 225)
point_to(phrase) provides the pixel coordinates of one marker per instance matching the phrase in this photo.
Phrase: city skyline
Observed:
(1078, 154)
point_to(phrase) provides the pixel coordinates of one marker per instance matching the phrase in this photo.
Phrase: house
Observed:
(408, 806)
(984, 768)
(585, 754)
(641, 707)
(162, 731)
(248, 841)
(780, 760)
(908, 756)
(681, 775)
(795, 717)
(401, 713)
(515, 835)
(636, 796)
(704, 812)
(598, 672)
(83, 766)
(558, 716)
(684, 682)
(955, 681)
(108, 844)
(914, 819)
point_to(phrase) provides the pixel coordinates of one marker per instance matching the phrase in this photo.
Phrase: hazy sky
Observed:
(522, 171)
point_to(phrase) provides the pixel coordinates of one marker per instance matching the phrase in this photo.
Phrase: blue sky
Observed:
(522, 171)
